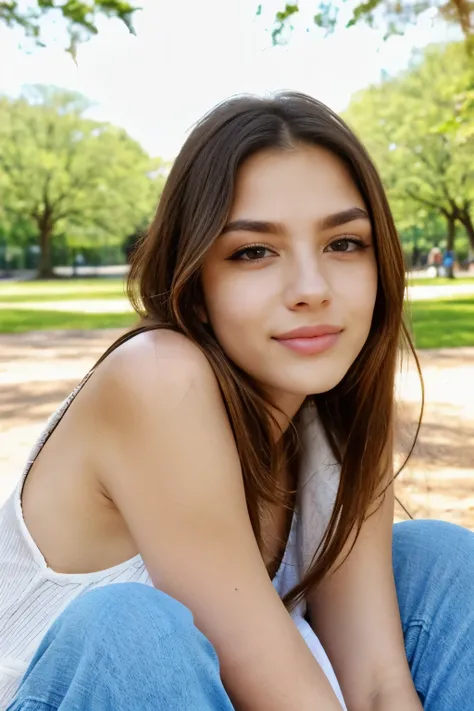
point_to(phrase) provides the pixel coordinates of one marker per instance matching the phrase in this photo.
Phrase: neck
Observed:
(283, 413)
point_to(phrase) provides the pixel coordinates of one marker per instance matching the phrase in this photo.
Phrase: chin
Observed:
(320, 388)
(315, 386)
(302, 390)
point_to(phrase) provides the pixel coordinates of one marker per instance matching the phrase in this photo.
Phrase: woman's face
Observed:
(290, 285)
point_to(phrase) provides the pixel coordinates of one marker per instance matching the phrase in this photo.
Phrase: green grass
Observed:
(22, 320)
(443, 323)
(79, 295)
(441, 281)
(62, 289)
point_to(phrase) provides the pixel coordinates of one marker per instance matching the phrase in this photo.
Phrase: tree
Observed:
(392, 15)
(81, 17)
(418, 127)
(70, 174)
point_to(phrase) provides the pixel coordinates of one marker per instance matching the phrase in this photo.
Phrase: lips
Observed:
(309, 332)
(310, 340)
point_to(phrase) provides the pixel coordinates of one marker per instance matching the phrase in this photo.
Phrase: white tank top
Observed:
(32, 595)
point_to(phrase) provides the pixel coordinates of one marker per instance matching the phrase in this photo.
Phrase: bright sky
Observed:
(188, 55)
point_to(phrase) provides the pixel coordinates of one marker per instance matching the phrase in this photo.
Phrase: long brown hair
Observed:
(165, 289)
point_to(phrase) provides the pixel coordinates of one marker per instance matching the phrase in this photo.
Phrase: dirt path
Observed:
(38, 370)
(438, 480)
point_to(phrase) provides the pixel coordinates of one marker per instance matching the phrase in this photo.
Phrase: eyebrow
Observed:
(264, 227)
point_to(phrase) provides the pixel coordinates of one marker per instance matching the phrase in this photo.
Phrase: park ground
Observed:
(39, 367)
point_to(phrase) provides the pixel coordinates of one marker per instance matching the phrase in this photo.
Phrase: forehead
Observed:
(284, 183)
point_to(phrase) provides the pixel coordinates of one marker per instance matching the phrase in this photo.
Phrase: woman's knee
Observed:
(434, 575)
(121, 643)
(125, 614)
(434, 539)
(432, 556)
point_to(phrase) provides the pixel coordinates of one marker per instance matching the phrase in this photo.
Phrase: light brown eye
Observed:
(347, 244)
(252, 253)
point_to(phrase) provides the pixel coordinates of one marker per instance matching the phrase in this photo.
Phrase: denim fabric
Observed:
(434, 575)
(123, 647)
(128, 647)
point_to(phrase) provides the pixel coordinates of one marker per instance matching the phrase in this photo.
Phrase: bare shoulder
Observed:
(156, 400)
(157, 368)
(156, 416)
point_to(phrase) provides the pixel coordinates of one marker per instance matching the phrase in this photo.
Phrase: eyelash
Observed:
(239, 254)
(360, 244)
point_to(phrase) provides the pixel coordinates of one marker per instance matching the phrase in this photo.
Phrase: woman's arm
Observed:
(355, 614)
(167, 458)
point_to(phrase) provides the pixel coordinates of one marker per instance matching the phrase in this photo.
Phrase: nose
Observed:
(308, 285)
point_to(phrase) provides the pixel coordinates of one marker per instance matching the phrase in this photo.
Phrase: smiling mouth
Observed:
(310, 345)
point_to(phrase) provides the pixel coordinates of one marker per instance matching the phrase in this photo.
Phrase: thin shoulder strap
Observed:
(51, 425)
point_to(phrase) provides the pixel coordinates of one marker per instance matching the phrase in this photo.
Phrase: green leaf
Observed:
(391, 16)
(81, 17)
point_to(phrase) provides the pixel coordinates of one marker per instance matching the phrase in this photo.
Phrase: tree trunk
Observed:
(468, 224)
(450, 244)
(451, 232)
(45, 269)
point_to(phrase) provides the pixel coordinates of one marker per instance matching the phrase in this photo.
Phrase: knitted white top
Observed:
(32, 595)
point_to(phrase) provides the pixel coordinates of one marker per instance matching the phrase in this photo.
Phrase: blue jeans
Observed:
(129, 647)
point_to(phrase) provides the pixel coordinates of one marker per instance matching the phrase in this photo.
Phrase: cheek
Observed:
(232, 307)
(235, 296)
(357, 293)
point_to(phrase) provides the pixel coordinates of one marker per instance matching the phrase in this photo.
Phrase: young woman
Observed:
(229, 462)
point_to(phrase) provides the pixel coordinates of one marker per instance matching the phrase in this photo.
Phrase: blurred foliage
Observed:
(68, 178)
(419, 128)
(80, 17)
(393, 16)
